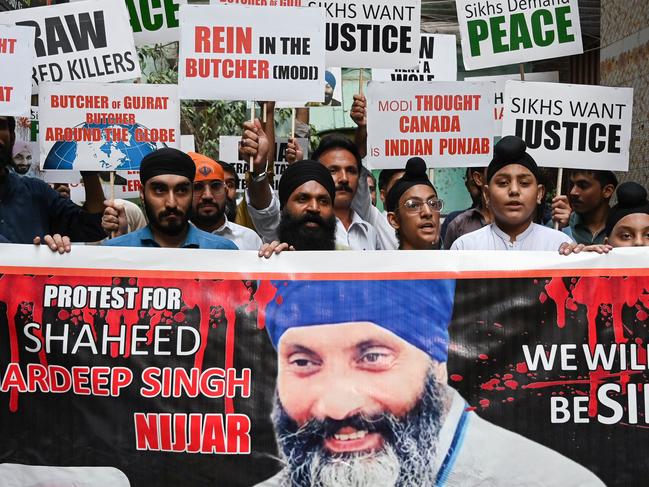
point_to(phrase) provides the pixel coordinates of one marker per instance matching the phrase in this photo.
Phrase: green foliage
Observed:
(206, 120)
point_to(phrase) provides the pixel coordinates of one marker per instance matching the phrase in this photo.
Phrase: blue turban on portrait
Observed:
(418, 311)
(330, 79)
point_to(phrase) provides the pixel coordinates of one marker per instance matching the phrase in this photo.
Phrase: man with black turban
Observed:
(167, 176)
(362, 397)
(306, 201)
(627, 224)
(512, 193)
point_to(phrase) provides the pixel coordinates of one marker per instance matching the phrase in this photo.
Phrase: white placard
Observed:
(333, 94)
(499, 95)
(82, 41)
(499, 32)
(187, 143)
(105, 127)
(372, 33)
(448, 124)
(229, 152)
(576, 126)
(16, 60)
(437, 62)
(239, 53)
(154, 21)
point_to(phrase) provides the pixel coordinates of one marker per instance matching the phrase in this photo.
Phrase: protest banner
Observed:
(332, 95)
(499, 95)
(162, 364)
(187, 143)
(16, 59)
(229, 152)
(372, 33)
(499, 32)
(154, 21)
(84, 41)
(448, 124)
(571, 126)
(82, 130)
(239, 53)
(260, 3)
(437, 62)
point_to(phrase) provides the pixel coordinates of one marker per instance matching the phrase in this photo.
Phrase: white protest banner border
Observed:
(235, 53)
(372, 33)
(500, 32)
(229, 152)
(154, 21)
(571, 126)
(437, 62)
(83, 130)
(16, 59)
(448, 124)
(499, 95)
(83, 41)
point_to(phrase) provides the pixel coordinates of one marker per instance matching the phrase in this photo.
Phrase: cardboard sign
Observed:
(372, 33)
(229, 152)
(239, 53)
(155, 21)
(499, 95)
(499, 32)
(16, 59)
(448, 124)
(105, 127)
(187, 143)
(261, 3)
(577, 126)
(437, 62)
(84, 41)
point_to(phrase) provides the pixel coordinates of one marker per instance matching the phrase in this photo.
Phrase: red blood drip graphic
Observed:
(456, 377)
(17, 291)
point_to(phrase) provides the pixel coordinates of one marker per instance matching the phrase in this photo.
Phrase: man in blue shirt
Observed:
(167, 177)
(29, 208)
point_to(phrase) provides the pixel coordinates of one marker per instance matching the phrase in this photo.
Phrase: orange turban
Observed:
(206, 169)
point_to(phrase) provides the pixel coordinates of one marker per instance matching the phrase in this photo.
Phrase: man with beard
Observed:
(209, 205)
(231, 179)
(362, 399)
(306, 199)
(31, 209)
(340, 157)
(167, 176)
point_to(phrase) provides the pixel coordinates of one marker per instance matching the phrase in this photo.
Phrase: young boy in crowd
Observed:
(512, 193)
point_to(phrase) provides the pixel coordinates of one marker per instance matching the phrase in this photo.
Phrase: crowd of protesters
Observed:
(325, 202)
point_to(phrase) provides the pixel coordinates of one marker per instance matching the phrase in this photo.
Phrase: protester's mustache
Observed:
(170, 212)
(344, 187)
(312, 218)
(317, 430)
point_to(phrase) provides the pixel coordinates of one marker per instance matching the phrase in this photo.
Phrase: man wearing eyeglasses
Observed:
(209, 205)
(413, 209)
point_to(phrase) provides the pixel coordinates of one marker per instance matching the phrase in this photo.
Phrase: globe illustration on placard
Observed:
(105, 154)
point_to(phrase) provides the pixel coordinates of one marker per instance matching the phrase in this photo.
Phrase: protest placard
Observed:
(162, 364)
(437, 62)
(83, 41)
(187, 143)
(16, 59)
(261, 3)
(154, 21)
(499, 95)
(499, 32)
(240, 53)
(83, 130)
(448, 124)
(372, 33)
(229, 152)
(575, 126)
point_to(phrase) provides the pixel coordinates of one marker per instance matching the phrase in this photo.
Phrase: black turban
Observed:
(415, 174)
(511, 150)
(301, 172)
(167, 161)
(631, 198)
